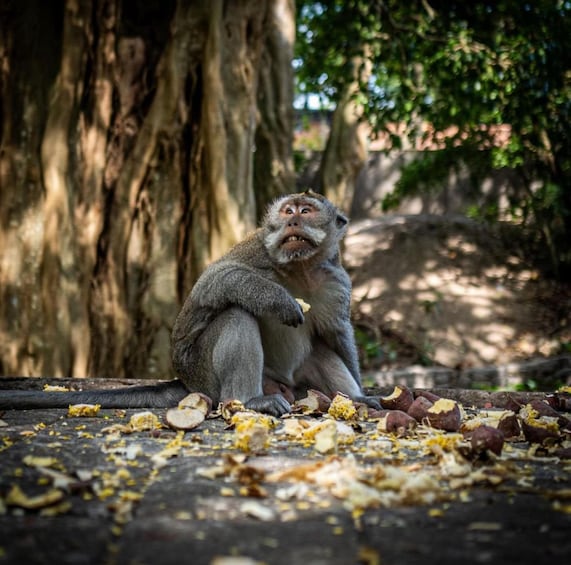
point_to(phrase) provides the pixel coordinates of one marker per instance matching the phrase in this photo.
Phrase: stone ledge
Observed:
(542, 371)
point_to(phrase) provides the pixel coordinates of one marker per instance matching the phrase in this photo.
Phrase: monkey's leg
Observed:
(325, 371)
(238, 362)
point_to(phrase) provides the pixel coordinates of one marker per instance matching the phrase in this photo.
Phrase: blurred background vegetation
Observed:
(487, 83)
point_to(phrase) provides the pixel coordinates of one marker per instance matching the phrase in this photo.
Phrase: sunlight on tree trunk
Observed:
(346, 149)
(89, 212)
(224, 225)
(143, 174)
(24, 87)
(274, 171)
(222, 208)
(60, 291)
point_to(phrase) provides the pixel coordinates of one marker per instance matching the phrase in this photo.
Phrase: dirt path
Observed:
(450, 291)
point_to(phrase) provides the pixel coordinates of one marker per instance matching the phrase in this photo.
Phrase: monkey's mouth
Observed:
(297, 242)
(297, 247)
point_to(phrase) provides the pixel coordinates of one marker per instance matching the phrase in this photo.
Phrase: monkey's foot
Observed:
(372, 401)
(272, 404)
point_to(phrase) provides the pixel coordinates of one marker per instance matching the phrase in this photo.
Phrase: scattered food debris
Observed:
(83, 410)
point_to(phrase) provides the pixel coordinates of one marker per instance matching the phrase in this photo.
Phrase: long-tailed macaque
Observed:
(242, 332)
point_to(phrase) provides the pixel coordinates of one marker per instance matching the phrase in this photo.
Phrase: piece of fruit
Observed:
(366, 412)
(252, 431)
(184, 418)
(561, 399)
(143, 421)
(504, 420)
(540, 430)
(417, 392)
(327, 435)
(396, 421)
(400, 399)
(419, 408)
(509, 425)
(485, 438)
(83, 410)
(230, 407)
(305, 307)
(513, 404)
(314, 402)
(342, 408)
(544, 409)
(198, 401)
(445, 414)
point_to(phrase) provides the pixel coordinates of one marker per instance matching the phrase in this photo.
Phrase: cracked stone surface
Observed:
(123, 503)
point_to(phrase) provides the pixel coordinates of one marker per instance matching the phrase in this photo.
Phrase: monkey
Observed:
(242, 332)
(243, 321)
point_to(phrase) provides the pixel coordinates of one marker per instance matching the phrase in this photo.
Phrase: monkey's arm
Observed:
(337, 330)
(342, 341)
(232, 283)
(346, 348)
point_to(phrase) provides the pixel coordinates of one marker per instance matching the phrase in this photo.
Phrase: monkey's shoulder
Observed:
(250, 251)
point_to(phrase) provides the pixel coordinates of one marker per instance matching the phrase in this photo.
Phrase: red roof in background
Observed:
(312, 135)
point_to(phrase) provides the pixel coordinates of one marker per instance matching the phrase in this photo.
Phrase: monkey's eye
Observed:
(305, 210)
(289, 210)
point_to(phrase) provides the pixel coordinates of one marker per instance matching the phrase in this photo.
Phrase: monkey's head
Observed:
(303, 226)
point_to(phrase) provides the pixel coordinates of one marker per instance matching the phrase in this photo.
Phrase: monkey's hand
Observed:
(371, 401)
(273, 404)
(291, 314)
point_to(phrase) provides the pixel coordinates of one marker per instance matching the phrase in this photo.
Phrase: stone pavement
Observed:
(91, 494)
(543, 372)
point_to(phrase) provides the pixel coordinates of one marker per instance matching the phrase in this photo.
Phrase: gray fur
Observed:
(242, 323)
(151, 396)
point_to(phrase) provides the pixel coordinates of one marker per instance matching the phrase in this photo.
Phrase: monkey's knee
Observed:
(237, 342)
(237, 355)
(325, 371)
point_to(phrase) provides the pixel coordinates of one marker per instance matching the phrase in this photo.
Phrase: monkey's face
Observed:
(298, 227)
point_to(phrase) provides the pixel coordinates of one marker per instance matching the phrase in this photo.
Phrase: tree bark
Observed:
(347, 145)
(136, 173)
(60, 288)
(273, 157)
(27, 70)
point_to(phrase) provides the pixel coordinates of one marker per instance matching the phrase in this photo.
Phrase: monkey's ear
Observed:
(341, 221)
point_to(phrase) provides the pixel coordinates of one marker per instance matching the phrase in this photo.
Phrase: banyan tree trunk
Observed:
(126, 166)
(346, 150)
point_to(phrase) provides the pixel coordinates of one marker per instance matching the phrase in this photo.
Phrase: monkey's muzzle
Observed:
(297, 243)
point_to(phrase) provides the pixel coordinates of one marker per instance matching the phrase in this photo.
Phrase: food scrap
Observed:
(83, 410)
(305, 307)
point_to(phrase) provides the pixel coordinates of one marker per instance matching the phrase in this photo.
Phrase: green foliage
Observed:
(372, 351)
(528, 385)
(428, 173)
(465, 68)
(331, 34)
(532, 385)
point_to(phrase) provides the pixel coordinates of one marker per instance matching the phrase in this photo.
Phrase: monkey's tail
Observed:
(163, 395)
